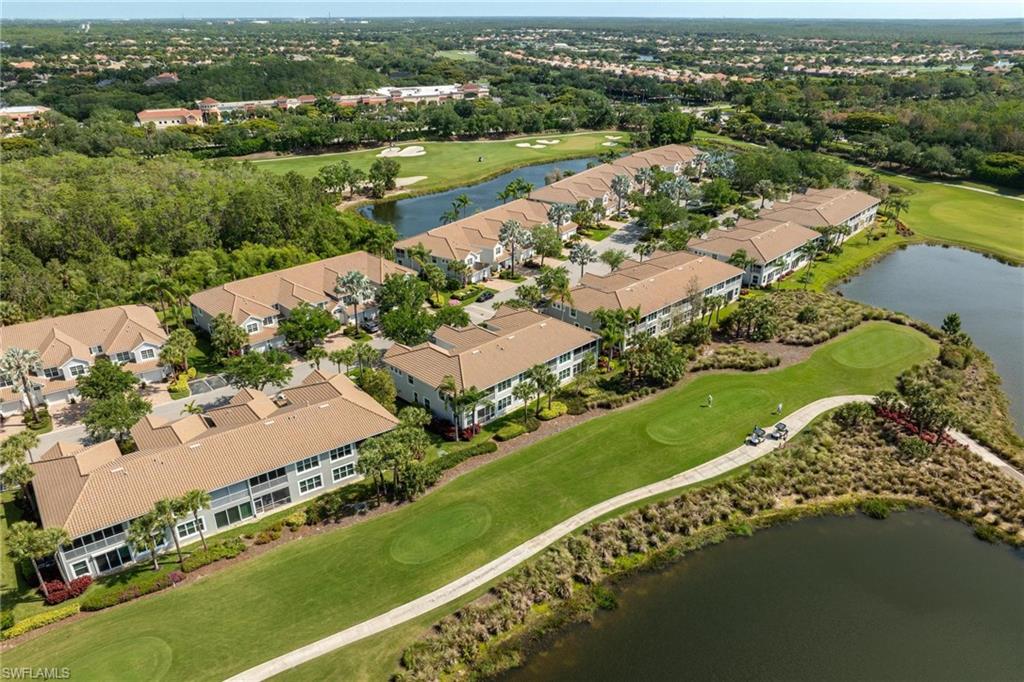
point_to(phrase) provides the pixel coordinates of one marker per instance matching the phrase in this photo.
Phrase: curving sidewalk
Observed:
(476, 579)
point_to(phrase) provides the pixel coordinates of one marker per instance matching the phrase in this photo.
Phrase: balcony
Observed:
(269, 485)
(95, 546)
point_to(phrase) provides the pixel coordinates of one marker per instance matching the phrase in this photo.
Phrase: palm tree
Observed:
(557, 288)
(449, 392)
(764, 189)
(160, 288)
(143, 534)
(193, 502)
(354, 288)
(418, 254)
(809, 251)
(621, 186)
(364, 355)
(897, 205)
(513, 236)
(167, 513)
(345, 356)
(459, 270)
(642, 177)
(559, 214)
(613, 258)
(17, 364)
(740, 259)
(191, 408)
(473, 399)
(644, 249)
(582, 255)
(524, 391)
(315, 356)
(545, 380)
(26, 541)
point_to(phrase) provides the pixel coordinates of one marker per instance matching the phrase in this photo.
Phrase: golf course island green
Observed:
(302, 591)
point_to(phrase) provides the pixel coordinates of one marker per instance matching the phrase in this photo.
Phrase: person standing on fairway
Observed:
(778, 409)
(710, 400)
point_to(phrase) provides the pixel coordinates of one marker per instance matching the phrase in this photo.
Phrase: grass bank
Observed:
(453, 164)
(302, 591)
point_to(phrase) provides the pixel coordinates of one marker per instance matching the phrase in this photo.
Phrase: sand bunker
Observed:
(613, 137)
(548, 141)
(609, 144)
(527, 145)
(403, 152)
(411, 180)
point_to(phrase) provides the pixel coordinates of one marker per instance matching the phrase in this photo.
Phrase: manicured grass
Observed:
(600, 233)
(858, 252)
(450, 164)
(305, 590)
(458, 55)
(960, 216)
(15, 593)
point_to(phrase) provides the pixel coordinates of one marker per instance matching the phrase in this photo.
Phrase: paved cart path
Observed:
(476, 579)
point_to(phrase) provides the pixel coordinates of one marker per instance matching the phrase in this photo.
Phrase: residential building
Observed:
(258, 303)
(165, 118)
(773, 247)
(433, 94)
(672, 158)
(253, 455)
(493, 358)
(161, 79)
(19, 118)
(831, 207)
(474, 239)
(68, 346)
(661, 288)
(589, 185)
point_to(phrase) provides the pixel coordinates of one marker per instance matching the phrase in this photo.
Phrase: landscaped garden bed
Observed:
(735, 356)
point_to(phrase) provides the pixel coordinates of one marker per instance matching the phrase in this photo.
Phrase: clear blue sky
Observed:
(826, 9)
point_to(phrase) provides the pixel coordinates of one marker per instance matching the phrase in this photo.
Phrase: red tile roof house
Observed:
(258, 303)
(68, 346)
(165, 118)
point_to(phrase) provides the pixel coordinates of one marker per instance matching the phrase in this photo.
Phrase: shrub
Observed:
(853, 414)
(557, 409)
(576, 406)
(510, 431)
(875, 508)
(604, 598)
(58, 591)
(6, 620)
(912, 447)
(807, 315)
(39, 620)
(695, 334)
(137, 586)
(222, 549)
(736, 357)
(956, 357)
(268, 535)
(296, 520)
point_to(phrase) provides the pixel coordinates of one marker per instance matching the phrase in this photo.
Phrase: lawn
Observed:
(451, 164)
(307, 589)
(858, 252)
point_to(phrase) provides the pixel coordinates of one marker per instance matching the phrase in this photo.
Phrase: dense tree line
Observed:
(83, 233)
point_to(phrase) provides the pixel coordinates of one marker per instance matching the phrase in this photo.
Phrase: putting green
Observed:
(134, 658)
(889, 346)
(426, 539)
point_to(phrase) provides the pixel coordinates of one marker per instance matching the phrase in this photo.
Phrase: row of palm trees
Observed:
(148, 532)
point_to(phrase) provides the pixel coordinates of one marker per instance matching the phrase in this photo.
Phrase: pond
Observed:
(916, 596)
(928, 282)
(418, 214)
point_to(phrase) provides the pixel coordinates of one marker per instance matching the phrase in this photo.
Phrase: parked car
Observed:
(371, 325)
(486, 296)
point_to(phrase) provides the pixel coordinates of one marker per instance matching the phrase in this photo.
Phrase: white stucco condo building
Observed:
(253, 455)
(492, 358)
(68, 346)
(773, 247)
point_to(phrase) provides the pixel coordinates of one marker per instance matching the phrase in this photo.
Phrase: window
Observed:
(308, 485)
(267, 477)
(337, 453)
(410, 378)
(96, 350)
(147, 354)
(503, 403)
(252, 327)
(504, 385)
(78, 370)
(307, 464)
(565, 357)
(190, 528)
(564, 374)
(53, 373)
(80, 568)
(426, 403)
(124, 356)
(572, 312)
(268, 321)
(233, 514)
(343, 472)
(115, 558)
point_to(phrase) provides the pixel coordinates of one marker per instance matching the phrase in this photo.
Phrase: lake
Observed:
(928, 282)
(418, 214)
(916, 596)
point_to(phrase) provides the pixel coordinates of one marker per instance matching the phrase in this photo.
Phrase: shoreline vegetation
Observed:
(847, 462)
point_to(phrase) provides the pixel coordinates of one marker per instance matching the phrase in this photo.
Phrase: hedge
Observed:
(557, 409)
(58, 591)
(510, 431)
(137, 586)
(39, 620)
(223, 549)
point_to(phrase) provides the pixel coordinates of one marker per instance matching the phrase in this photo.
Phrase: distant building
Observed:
(165, 118)
(68, 346)
(23, 116)
(161, 79)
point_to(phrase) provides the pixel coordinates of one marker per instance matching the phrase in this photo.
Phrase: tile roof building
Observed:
(492, 358)
(69, 345)
(661, 288)
(254, 454)
(165, 118)
(831, 207)
(258, 303)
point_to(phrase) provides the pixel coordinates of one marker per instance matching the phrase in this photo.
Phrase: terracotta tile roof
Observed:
(764, 240)
(96, 487)
(652, 285)
(59, 339)
(310, 283)
(820, 207)
(513, 341)
(666, 156)
(157, 114)
(586, 185)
